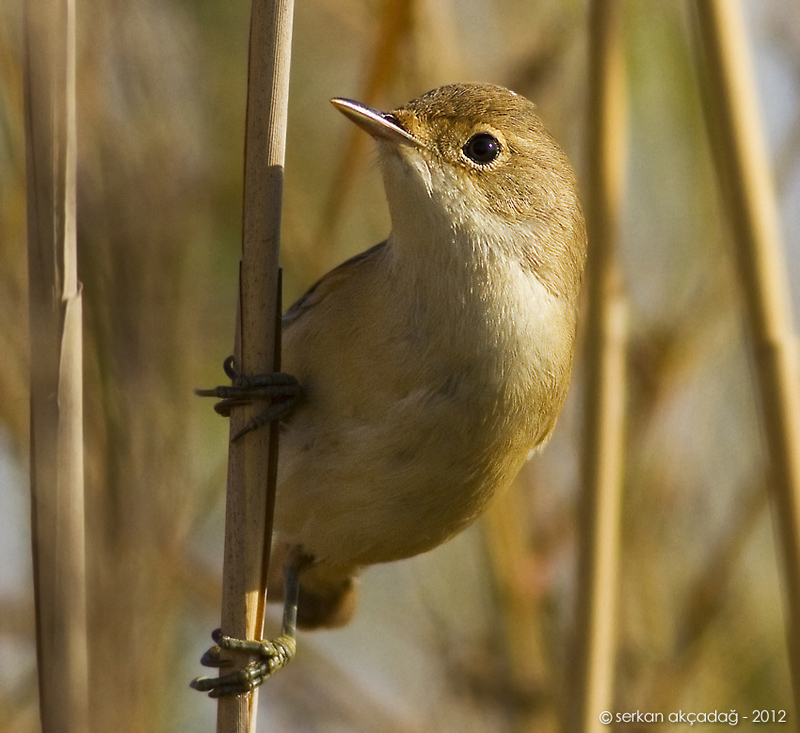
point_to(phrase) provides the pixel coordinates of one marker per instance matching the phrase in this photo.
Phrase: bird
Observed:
(419, 375)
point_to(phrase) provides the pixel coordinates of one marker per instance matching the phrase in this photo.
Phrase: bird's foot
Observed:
(273, 655)
(282, 390)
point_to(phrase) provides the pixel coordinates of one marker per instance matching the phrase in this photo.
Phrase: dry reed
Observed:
(602, 463)
(56, 369)
(253, 459)
(744, 176)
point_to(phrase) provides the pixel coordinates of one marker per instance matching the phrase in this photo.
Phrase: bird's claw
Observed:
(282, 389)
(213, 658)
(274, 655)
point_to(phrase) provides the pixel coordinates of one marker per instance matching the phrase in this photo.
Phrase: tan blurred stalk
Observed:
(594, 640)
(742, 164)
(509, 553)
(56, 368)
(253, 460)
(394, 25)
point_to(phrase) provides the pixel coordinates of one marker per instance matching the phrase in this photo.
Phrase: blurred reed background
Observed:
(474, 636)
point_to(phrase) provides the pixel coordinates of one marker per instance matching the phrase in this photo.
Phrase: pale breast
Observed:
(407, 432)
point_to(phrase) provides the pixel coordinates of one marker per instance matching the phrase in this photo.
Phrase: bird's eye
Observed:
(482, 148)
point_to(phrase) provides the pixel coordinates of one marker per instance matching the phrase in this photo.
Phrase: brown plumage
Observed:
(435, 362)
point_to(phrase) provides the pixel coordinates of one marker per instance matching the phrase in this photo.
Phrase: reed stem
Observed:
(56, 367)
(731, 106)
(252, 460)
(603, 444)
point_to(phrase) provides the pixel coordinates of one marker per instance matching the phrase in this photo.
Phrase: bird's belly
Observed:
(358, 492)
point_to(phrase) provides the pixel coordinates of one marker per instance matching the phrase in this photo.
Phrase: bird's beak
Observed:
(376, 123)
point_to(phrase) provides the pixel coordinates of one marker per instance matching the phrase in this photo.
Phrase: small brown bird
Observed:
(431, 365)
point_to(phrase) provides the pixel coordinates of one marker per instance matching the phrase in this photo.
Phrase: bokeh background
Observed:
(475, 635)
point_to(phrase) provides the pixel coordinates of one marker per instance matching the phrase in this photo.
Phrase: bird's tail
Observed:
(328, 593)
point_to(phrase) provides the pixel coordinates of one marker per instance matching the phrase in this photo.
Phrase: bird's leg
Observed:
(273, 655)
(282, 390)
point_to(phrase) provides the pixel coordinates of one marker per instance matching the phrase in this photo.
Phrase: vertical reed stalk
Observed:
(252, 460)
(527, 661)
(731, 106)
(602, 459)
(56, 369)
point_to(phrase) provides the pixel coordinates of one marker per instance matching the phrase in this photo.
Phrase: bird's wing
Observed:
(327, 284)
